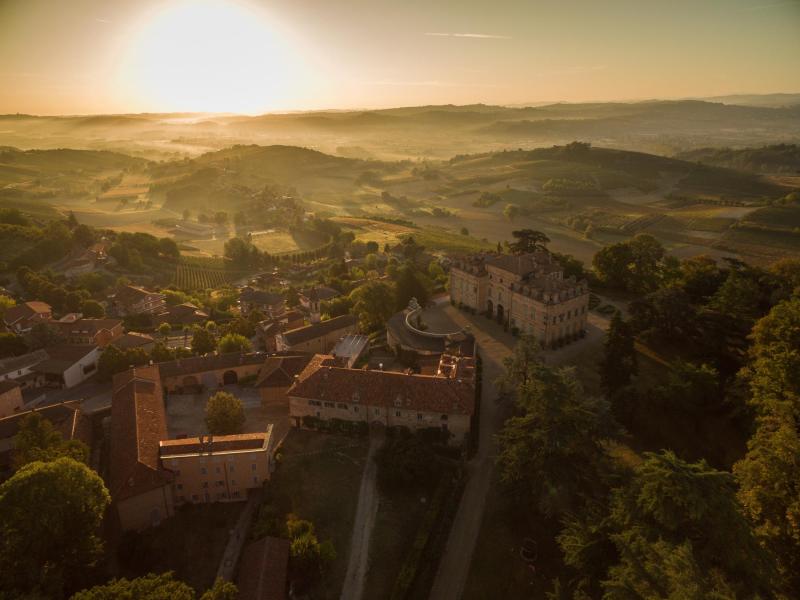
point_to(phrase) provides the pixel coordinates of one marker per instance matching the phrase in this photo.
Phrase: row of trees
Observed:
(664, 527)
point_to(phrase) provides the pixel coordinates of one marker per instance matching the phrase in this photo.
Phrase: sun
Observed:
(212, 56)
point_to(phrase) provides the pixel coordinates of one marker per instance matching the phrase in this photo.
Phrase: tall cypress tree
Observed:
(619, 362)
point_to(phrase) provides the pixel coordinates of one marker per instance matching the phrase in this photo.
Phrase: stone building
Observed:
(391, 399)
(317, 338)
(528, 292)
(217, 468)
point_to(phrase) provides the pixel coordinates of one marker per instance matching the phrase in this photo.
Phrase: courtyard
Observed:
(186, 413)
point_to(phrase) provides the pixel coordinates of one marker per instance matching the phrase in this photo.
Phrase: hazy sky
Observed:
(92, 56)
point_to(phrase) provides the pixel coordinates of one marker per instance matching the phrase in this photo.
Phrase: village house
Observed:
(269, 328)
(10, 398)
(350, 349)
(316, 338)
(267, 303)
(445, 400)
(526, 292)
(99, 332)
(217, 468)
(134, 339)
(20, 369)
(310, 299)
(133, 300)
(22, 317)
(68, 365)
(277, 376)
(66, 417)
(182, 314)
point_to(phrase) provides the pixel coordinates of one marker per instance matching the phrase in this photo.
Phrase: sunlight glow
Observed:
(212, 56)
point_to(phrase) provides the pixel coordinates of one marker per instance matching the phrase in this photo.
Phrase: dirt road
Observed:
(366, 511)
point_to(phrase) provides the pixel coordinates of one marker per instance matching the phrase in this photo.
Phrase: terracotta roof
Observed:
(138, 424)
(315, 330)
(183, 313)
(383, 388)
(66, 417)
(218, 444)
(279, 371)
(25, 311)
(89, 326)
(263, 568)
(133, 339)
(131, 294)
(210, 362)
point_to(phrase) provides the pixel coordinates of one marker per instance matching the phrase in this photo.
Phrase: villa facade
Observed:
(525, 292)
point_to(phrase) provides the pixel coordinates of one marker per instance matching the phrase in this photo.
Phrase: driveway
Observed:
(366, 512)
(494, 345)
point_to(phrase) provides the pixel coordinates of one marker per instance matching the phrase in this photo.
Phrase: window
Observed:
(179, 486)
(217, 470)
(377, 411)
(355, 409)
(236, 494)
(231, 468)
(253, 467)
(195, 498)
(330, 405)
(233, 482)
(203, 471)
(255, 480)
(444, 417)
(342, 405)
(419, 416)
(314, 403)
(205, 484)
(397, 413)
(220, 483)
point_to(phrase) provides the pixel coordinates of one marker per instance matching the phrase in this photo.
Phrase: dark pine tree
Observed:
(619, 362)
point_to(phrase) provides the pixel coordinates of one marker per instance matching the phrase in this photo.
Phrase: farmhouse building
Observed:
(267, 303)
(277, 376)
(22, 318)
(211, 371)
(445, 400)
(133, 300)
(217, 468)
(525, 292)
(99, 332)
(317, 338)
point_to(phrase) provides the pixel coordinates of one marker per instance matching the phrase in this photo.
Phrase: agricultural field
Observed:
(194, 273)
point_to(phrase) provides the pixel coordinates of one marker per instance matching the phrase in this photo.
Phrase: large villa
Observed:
(526, 292)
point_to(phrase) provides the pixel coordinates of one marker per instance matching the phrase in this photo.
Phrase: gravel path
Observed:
(366, 512)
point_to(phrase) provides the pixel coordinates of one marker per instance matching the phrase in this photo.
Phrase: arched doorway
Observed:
(230, 377)
(489, 308)
(500, 313)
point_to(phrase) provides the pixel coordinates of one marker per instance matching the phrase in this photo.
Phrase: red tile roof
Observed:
(217, 444)
(262, 569)
(383, 388)
(316, 330)
(279, 371)
(138, 424)
(25, 311)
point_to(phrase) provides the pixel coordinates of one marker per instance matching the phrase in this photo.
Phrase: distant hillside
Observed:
(780, 158)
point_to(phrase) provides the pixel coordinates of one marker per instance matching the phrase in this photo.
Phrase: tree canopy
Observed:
(50, 513)
(224, 414)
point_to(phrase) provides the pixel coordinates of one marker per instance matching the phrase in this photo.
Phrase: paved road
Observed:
(366, 512)
(493, 344)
